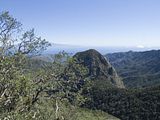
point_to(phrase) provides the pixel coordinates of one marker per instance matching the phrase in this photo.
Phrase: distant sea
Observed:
(72, 49)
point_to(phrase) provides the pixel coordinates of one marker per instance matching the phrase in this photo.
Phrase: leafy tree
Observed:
(25, 43)
(16, 92)
(9, 26)
(24, 95)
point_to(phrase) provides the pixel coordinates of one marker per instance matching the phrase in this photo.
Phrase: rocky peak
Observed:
(99, 67)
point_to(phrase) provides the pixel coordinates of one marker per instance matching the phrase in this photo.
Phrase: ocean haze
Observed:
(72, 49)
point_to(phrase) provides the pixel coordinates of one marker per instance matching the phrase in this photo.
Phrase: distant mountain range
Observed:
(138, 69)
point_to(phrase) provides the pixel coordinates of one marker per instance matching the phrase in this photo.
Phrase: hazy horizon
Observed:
(72, 49)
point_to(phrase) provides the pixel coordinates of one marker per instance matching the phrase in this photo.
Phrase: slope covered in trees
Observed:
(138, 69)
(125, 104)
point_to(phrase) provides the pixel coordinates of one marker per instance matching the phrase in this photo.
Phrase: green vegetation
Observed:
(125, 104)
(138, 69)
(86, 114)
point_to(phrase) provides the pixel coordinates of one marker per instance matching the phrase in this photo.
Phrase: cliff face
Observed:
(99, 68)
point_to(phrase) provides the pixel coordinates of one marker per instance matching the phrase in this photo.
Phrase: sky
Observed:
(90, 22)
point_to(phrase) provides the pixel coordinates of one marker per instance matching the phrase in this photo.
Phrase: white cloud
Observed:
(140, 46)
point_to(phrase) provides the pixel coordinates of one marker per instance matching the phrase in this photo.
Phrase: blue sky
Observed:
(90, 22)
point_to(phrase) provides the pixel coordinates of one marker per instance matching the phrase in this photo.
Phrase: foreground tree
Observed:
(15, 87)
(25, 43)
(25, 95)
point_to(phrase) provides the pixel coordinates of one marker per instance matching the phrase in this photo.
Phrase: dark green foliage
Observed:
(126, 104)
(138, 69)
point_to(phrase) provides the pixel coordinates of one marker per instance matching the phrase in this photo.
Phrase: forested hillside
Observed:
(138, 69)
(125, 104)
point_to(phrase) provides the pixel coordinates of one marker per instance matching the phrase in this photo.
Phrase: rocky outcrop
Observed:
(99, 68)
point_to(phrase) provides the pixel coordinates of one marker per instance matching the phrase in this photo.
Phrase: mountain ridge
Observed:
(138, 69)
